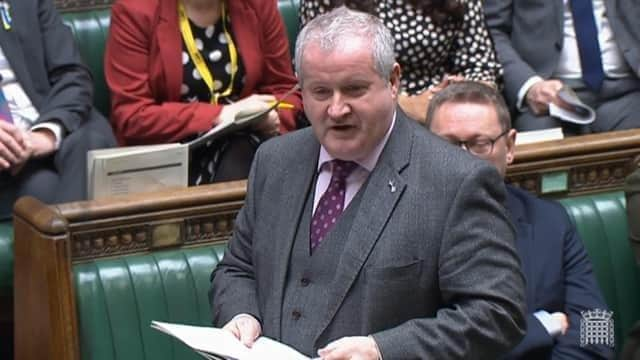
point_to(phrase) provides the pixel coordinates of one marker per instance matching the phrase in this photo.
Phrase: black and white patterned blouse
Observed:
(427, 51)
(213, 45)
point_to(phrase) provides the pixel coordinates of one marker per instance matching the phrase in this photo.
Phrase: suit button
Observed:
(558, 46)
(304, 282)
(295, 314)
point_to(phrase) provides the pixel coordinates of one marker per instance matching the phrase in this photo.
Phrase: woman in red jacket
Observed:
(177, 68)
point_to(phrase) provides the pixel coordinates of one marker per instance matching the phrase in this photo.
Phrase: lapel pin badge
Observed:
(392, 186)
(5, 14)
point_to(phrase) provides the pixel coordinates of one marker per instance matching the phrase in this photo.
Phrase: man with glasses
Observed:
(559, 278)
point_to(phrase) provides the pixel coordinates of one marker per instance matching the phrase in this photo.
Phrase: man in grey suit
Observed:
(49, 124)
(590, 46)
(420, 264)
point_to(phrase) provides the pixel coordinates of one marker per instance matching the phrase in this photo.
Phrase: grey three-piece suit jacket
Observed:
(422, 259)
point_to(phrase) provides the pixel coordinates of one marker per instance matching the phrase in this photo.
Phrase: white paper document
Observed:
(534, 136)
(578, 112)
(215, 343)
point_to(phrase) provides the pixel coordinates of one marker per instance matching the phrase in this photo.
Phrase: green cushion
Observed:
(289, 11)
(602, 223)
(6, 258)
(90, 29)
(117, 299)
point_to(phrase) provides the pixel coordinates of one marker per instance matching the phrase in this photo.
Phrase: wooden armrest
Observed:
(49, 239)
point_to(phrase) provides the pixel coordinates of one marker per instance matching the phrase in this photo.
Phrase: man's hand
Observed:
(352, 348)
(541, 94)
(245, 328)
(43, 142)
(15, 147)
(563, 320)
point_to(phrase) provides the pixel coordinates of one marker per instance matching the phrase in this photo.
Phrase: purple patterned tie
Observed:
(331, 203)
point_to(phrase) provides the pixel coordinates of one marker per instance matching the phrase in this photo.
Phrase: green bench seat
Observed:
(602, 223)
(118, 298)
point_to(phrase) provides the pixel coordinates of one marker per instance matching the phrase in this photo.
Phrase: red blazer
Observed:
(143, 68)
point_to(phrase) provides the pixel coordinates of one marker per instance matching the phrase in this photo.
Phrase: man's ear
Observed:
(394, 80)
(511, 145)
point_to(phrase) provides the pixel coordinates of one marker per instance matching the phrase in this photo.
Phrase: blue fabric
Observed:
(588, 45)
(559, 278)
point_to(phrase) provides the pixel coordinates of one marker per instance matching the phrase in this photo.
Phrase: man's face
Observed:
(467, 122)
(349, 105)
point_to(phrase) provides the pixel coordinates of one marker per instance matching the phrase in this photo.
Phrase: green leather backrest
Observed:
(602, 223)
(6, 258)
(90, 29)
(289, 11)
(117, 298)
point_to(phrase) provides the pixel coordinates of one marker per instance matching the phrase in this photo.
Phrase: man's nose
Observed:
(338, 107)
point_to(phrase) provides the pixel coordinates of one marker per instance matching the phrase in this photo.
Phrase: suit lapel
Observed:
(294, 192)
(558, 12)
(382, 191)
(525, 241)
(13, 52)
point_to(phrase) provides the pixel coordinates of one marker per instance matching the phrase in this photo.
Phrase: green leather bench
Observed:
(116, 298)
(602, 223)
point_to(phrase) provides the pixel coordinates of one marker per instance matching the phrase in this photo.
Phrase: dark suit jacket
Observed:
(559, 277)
(430, 269)
(528, 36)
(143, 67)
(632, 191)
(47, 63)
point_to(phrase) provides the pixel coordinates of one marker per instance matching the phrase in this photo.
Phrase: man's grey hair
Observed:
(340, 26)
(470, 92)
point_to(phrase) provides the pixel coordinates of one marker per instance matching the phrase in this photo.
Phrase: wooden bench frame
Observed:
(50, 239)
(577, 165)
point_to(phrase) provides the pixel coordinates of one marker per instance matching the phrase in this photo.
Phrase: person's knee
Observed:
(95, 134)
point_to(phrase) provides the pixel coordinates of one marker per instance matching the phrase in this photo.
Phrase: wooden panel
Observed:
(43, 295)
(50, 239)
(591, 163)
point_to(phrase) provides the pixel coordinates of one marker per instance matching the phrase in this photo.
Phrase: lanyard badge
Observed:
(5, 14)
(196, 56)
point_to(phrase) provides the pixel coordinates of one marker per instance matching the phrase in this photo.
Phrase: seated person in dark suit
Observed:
(178, 68)
(559, 278)
(47, 123)
(631, 349)
(632, 190)
(590, 46)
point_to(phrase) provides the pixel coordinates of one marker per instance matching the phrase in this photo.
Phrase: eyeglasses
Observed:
(480, 146)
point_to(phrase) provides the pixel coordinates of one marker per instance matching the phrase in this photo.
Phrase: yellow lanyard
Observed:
(197, 58)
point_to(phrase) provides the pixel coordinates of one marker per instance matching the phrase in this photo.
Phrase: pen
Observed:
(281, 105)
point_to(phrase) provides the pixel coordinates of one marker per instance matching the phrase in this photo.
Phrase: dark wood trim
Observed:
(590, 163)
(49, 240)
